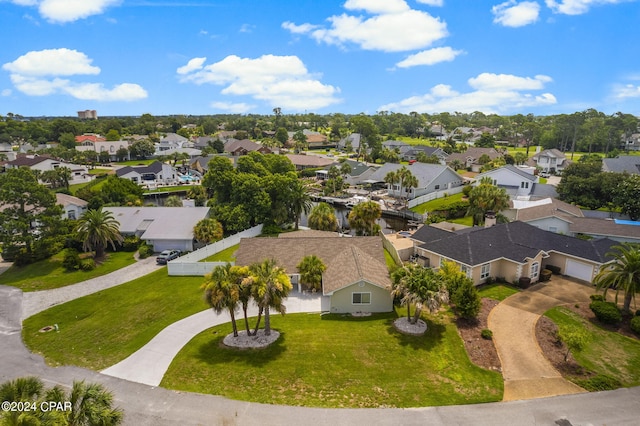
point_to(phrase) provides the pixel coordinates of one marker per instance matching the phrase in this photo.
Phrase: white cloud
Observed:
(489, 81)
(377, 6)
(514, 14)
(282, 81)
(437, 3)
(52, 62)
(37, 73)
(430, 57)
(235, 108)
(394, 27)
(578, 7)
(625, 91)
(193, 65)
(6, 92)
(489, 97)
(61, 11)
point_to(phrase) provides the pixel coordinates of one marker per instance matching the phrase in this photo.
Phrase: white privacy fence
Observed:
(191, 264)
(433, 195)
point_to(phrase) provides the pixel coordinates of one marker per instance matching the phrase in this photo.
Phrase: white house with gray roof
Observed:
(431, 178)
(511, 177)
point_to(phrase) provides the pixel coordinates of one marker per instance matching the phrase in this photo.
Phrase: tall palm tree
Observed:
(91, 404)
(623, 274)
(311, 269)
(300, 202)
(222, 291)
(484, 198)
(271, 285)
(22, 389)
(363, 218)
(323, 218)
(418, 286)
(97, 229)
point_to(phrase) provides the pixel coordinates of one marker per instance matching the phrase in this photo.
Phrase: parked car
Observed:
(166, 256)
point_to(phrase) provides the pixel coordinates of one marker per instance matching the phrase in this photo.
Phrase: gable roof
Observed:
(243, 144)
(604, 227)
(425, 173)
(515, 241)
(553, 153)
(340, 255)
(159, 223)
(155, 168)
(621, 164)
(510, 168)
(28, 160)
(549, 207)
(473, 153)
(309, 160)
(66, 200)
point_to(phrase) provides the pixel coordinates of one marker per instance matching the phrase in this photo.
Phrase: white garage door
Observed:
(582, 271)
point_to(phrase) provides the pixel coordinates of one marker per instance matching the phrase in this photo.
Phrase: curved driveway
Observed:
(526, 371)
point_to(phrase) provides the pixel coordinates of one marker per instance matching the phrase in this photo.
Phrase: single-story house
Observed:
(511, 251)
(164, 228)
(303, 161)
(549, 161)
(43, 163)
(356, 278)
(360, 172)
(520, 182)
(73, 207)
(238, 147)
(314, 139)
(352, 140)
(616, 229)
(413, 152)
(624, 163)
(431, 178)
(156, 172)
(549, 214)
(471, 157)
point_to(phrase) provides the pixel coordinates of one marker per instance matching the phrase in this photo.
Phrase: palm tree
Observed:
(97, 229)
(363, 218)
(404, 178)
(311, 269)
(323, 218)
(271, 285)
(419, 286)
(22, 389)
(222, 291)
(208, 231)
(173, 201)
(91, 404)
(623, 274)
(300, 202)
(484, 198)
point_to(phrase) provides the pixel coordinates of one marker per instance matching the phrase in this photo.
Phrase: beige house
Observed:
(511, 251)
(356, 278)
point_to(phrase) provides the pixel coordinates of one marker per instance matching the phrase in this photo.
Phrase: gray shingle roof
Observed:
(424, 172)
(624, 163)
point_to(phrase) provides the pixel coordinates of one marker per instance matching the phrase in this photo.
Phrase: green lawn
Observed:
(99, 171)
(75, 188)
(136, 162)
(608, 353)
(338, 361)
(178, 188)
(437, 204)
(226, 255)
(101, 329)
(497, 291)
(49, 273)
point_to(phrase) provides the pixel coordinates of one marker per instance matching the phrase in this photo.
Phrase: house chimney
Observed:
(490, 219)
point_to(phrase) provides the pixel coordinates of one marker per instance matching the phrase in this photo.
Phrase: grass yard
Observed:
(178, 188)
(497, 291)
(338, 361)
(437, 204)
(101, 329)
(75, 188)
(608, 353)
(136, 162)
(226, 255)
(49, 273)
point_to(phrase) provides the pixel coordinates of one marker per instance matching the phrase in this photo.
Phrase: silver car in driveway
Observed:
(166, 256)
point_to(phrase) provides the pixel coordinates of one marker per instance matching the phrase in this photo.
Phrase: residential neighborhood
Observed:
(411, 235)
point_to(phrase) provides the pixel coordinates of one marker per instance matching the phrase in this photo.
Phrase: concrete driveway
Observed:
(527, 373)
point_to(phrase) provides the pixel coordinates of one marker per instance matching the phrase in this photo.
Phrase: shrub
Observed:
(131, 243)
(635, 325)
(467, 300)
(466, 190)
(638, 313)
(597, 298)
(145, 250)
(87, 265)
(606, 312)
(71, 261)
(486, 334)
(271, 229)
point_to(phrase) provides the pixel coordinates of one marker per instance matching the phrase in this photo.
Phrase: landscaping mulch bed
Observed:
(482, 352)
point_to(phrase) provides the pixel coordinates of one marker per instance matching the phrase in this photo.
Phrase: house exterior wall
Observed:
(560, 260)
(505, 177)
(552, 224)
(160, 245)
(446, 180)
(73, 211)
(381, 300)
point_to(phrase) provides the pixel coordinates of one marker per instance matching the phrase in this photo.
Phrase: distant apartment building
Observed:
(88, 114)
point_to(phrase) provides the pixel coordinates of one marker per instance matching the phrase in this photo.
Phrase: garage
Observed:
(580, 270)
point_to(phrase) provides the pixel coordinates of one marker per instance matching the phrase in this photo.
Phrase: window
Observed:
(484, 272)
(535, 269)
(553, 229)
(437, 186)
(524, 184)
(361, 298)
(465, 270)
(71, 214)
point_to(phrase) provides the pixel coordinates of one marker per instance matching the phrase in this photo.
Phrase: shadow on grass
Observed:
(216, 352)
(433, 336)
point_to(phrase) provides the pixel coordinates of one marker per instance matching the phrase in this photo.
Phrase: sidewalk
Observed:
(38, 301)
(149, 364)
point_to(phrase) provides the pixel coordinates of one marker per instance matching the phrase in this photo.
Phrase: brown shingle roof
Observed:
(604, 227)
(556, 208)
(341, 256)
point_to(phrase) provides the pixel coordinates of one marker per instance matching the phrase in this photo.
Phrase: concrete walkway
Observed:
(149, 364)
(527, 373)
(38, 301)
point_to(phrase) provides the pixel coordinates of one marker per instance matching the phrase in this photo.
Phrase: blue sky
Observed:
(201, 57)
